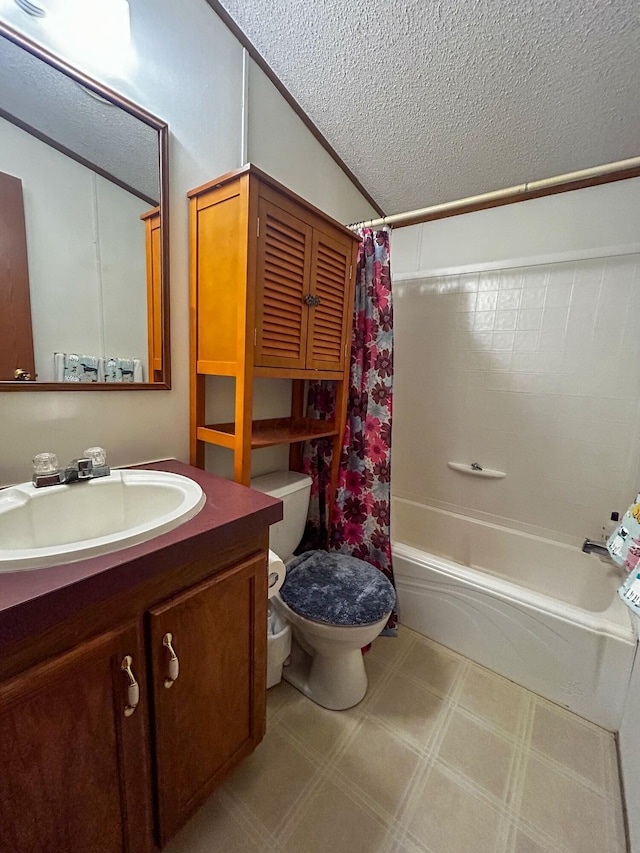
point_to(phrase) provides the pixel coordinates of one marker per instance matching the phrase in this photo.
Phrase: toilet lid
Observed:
(337, 589)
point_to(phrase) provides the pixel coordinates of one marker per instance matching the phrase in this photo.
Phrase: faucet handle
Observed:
(45, 463)
(46, 470)
(97, 455)
(96, 460)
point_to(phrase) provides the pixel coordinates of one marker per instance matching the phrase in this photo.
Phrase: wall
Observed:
(86, 254)
(517, 347)
(187, 69)
(283, 146)
(564, 226)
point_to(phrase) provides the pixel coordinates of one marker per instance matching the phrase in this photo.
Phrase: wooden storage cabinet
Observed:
(77, 765)
(272, 283)
(153, 241)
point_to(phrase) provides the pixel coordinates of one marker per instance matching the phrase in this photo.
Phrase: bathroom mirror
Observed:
(84, 302)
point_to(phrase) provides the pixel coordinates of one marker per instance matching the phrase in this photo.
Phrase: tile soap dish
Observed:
(476, 470)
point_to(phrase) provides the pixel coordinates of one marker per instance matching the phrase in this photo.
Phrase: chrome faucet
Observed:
(47, 471)
(81, 469)
(590, 546)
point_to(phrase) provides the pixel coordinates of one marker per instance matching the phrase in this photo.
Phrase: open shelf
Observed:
(268, 433)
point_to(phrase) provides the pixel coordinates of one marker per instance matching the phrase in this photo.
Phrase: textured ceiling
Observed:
(66, 114)
(429, 102)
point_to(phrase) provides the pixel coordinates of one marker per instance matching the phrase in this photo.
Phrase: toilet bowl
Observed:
(326, 661)
(335, 604)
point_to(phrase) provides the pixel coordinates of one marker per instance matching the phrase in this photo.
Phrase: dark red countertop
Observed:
(34, 600)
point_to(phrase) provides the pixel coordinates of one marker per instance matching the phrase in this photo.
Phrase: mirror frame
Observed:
(163, 151)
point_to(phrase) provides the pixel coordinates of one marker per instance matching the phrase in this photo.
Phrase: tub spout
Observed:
(589, 546)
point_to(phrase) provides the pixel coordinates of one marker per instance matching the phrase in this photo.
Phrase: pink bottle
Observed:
(633, 556)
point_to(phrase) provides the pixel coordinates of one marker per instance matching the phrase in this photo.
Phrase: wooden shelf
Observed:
(268, 433)
(290, 373)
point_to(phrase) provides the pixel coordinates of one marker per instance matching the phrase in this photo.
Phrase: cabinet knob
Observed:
(174, 663)
(133, 689)
(311, 300)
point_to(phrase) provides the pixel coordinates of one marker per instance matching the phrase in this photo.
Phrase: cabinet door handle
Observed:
(133, 688)
(174, 663)
(311, 300)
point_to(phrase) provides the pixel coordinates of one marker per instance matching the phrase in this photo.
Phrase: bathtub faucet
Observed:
(590, 546)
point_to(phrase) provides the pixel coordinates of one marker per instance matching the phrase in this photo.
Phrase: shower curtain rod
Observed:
(522, 192)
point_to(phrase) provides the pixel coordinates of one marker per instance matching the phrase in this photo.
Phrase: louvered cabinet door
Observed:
(330, 316)
(282, 282)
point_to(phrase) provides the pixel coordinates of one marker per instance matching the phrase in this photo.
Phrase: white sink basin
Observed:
(60, 524)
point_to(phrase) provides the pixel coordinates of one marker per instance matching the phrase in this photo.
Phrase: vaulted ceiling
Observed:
(429, 101)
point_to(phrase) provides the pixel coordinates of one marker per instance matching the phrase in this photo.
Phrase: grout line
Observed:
(508, 831)
(542, 838)
(489, 725)
(245, 818)
(328, 769)
(325, 771)
(397, 837)
(515, 817)
(424, 768)
(468, 786)
(569, 773)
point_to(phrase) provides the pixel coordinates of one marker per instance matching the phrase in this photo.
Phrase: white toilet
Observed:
(326, 658)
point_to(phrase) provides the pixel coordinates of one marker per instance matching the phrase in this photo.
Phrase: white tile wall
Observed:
(533, 371)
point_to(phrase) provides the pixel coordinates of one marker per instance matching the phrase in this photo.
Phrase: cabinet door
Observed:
(73, 768)
(282, 282)
(330, 317)
(213, 713)
(16, 333)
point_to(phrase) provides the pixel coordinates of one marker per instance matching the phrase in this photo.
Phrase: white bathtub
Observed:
(536, 611)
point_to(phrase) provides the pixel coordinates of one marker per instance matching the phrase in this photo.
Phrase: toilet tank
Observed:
(294, 491)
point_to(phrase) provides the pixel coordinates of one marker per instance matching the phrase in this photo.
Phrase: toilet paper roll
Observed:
(276, 574)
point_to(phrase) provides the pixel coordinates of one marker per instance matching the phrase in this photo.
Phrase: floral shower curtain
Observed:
(361, 517)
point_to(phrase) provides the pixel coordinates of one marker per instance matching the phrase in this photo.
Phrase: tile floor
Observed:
(442, 756)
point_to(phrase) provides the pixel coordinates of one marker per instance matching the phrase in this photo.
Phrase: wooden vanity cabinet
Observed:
(272, 284)
(80, 772)
(74, 766)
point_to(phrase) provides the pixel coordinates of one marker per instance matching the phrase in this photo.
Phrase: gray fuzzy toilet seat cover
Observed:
(337, 589)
